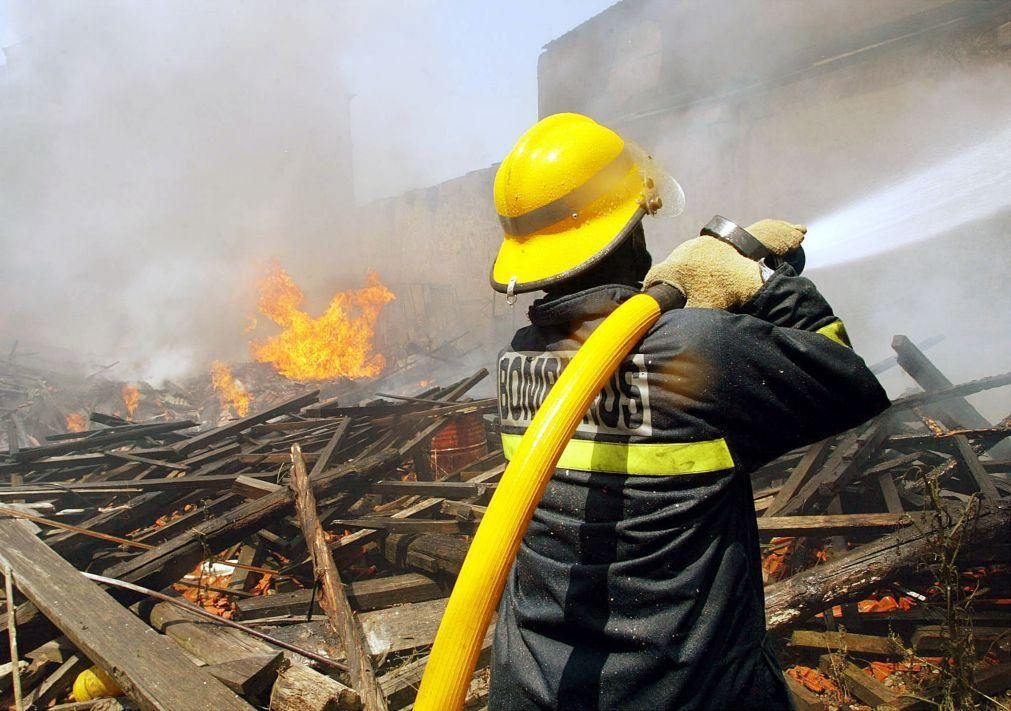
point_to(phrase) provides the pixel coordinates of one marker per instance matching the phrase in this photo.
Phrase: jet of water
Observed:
(965, 187)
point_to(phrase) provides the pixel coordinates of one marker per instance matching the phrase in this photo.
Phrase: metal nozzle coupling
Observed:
(748, 245)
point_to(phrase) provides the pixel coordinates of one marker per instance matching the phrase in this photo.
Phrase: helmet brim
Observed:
(547, 258)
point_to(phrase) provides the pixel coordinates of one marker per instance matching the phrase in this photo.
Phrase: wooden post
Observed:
(12, 634)
(334, 599)
(931, 379)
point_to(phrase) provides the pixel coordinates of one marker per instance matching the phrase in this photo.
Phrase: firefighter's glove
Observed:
(712, 274)
(779, 236)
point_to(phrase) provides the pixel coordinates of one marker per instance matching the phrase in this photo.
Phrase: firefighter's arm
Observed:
(792, 301)
(766, 389)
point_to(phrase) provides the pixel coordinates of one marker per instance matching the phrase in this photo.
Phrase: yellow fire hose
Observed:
(482, 577)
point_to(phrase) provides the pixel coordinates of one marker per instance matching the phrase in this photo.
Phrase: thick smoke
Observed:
(896, 157)
(154, 158)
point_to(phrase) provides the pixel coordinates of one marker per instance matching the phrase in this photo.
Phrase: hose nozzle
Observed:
(748, 245)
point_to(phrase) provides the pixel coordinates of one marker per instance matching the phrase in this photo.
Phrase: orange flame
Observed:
(336, 344)
(230, 391)
(76, 422)
(131, 396)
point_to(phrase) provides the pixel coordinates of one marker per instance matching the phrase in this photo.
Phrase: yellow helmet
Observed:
(567, 194)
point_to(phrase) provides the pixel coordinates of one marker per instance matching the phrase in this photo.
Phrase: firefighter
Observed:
(638, 584)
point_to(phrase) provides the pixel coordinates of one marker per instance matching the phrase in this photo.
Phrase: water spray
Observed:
(969, 186)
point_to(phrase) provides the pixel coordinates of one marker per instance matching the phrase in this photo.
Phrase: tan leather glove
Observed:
(714, 275)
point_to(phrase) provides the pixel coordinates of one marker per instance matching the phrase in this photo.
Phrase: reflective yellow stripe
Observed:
(640, 459)
(837, 332)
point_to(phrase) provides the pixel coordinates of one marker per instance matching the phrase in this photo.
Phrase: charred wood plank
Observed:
(850, 641)
(832, 524)
(868, 689)
(850, 456)
(105, 439)
(298, 688)
(177, 556)
(155, 675)
(406, 525)
(983, 479)
(796, 598)
(442, 489)
(249, 677)
(208, 438)
(334, 599)
(968, 388)
(57, 683)
(813, 458)
(931, 379)
(215, 482)
(368, 594)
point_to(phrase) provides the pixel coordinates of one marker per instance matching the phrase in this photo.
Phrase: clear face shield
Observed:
(662, 195)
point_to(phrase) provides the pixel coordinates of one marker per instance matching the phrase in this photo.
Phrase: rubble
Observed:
(886, 547)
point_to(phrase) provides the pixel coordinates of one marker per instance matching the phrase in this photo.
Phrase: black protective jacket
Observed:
(638, 584)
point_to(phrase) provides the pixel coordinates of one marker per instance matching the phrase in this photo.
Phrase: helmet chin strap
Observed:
(511, 291)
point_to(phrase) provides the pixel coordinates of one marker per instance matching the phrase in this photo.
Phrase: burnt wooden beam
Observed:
(878, 645)
(969, 388)
(298, 688)
(813, 458)
(249, 677)
(868, 689)
(364, 595)
(804, 594)
(931, 379)
(107, 438)
(833, 524)
(155, 675)
(845, 463)
(237, 659)
(214, 482)
(971, 461)
(205, 439)
(442, 489)
(177, 556)
(407, 525)
(334, 600)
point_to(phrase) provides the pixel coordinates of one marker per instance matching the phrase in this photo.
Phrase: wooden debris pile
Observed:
(313, 546)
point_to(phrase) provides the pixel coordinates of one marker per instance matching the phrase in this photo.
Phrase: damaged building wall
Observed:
(798, 126)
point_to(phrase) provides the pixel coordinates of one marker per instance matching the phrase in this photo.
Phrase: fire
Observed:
(76, 422)
(230, 391)
(131, 396)
(336, 344)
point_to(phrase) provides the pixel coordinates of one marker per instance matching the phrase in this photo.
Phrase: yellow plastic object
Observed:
(94, 684)
(567, 194)
(484, 571)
